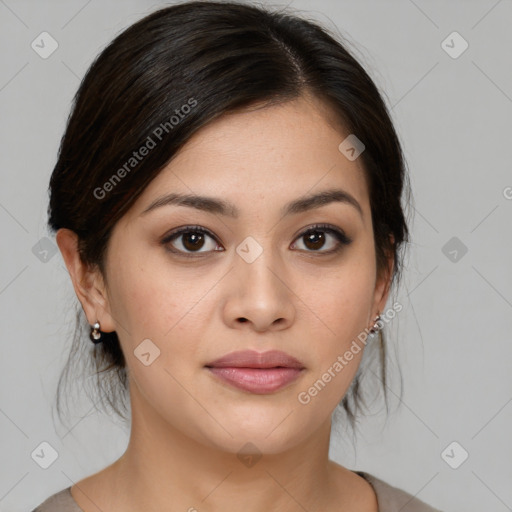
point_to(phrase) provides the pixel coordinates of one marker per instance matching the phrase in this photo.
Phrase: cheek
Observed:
(337, 303)
(337, 312)
(137, 303)
(139, 282)
(153, 301)
(161, 310)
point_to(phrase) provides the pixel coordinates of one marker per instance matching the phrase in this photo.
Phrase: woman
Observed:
(227, 201)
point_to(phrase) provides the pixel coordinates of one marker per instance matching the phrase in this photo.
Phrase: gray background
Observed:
(454, 342)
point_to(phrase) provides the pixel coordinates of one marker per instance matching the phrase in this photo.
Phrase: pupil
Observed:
(317, 238)
(195, 241)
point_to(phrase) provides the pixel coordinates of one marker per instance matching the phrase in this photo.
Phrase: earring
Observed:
(95, 334)
(376, 326)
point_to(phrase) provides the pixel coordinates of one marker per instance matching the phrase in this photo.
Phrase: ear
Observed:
(383, 285)
(88, 283)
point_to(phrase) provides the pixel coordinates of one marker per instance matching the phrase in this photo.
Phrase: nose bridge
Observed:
(257, 262)
(260, 294)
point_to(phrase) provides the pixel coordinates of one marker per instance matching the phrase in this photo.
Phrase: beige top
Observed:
(389, 499)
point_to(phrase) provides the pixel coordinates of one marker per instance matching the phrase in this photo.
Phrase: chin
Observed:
(257, 438)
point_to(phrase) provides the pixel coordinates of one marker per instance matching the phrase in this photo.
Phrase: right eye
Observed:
(191, 239)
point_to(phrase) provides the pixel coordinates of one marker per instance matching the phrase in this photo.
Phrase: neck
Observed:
(172, 467)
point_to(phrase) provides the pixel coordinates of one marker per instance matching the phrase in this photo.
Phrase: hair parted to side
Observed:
(225, 56)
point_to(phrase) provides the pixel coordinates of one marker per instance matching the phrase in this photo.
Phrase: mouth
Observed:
(257, 380)
(258, 373)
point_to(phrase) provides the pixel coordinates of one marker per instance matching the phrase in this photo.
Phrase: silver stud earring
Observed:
(376, 326)
(95, 334)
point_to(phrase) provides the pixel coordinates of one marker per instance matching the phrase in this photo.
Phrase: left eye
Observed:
(315, 238)
(192, 239)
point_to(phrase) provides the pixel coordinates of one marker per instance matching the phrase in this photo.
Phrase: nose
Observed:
(258, 296)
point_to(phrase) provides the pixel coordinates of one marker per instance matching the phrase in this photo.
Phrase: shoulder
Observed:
(61, 501)
(392, 499)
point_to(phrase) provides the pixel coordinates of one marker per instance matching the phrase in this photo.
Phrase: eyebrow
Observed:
(222, 207)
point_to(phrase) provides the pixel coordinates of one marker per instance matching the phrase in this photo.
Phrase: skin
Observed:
(188, 426)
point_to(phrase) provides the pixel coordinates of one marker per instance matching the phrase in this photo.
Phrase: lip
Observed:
(257, 372)
(253, 359)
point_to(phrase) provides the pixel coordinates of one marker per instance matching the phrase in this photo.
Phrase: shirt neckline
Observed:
(362, 474)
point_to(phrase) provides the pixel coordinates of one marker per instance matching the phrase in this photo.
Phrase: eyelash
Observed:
(343, 239)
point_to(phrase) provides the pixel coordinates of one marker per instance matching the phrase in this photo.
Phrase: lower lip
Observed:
(257, 380)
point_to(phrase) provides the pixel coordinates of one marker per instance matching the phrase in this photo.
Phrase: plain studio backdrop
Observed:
(446, 73)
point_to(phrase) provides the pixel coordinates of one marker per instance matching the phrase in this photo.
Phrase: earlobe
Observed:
(88, 284)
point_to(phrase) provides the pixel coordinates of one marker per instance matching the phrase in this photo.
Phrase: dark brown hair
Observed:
(215, 58)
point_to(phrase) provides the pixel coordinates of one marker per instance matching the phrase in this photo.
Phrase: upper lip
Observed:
(253, 359)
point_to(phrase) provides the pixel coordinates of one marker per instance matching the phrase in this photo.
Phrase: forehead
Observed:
(260, 158)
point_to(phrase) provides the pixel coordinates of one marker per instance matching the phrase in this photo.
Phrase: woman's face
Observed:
(254, 281)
